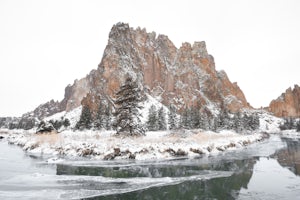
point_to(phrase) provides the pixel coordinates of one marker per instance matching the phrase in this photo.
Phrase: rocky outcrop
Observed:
(288, 104)
(45, 110)
(76, 92)
(183, 77)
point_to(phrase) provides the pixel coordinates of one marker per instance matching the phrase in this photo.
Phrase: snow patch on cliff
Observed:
(73, 116)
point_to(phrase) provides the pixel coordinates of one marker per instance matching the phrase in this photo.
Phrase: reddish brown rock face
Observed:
(288, 104)
(184, 76)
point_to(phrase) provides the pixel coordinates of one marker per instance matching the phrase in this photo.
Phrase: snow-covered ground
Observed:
(155, 145)
(290, 134)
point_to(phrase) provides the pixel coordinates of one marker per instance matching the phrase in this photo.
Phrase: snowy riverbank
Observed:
(104, 145)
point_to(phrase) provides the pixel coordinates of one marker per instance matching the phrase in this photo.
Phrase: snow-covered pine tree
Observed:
(172, 118)
(127, 109)
(194, 118)
(152, 122)
(108, 118)
(66, 122)
(85, 121)
(204, 121)
(238, 122)
(162, 123)
(184, 119)
(100, 117)
(298, 126)
(254, 122)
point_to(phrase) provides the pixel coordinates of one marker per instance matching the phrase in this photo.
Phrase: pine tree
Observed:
(108, 118)
(195, 118)
(127, 109)
(298, 126)
(85, 121)
(66, 122)
(184, 119)
(238, 122)
(204, 121)
(162, 124)
(254, 122)
(172, 119)
(152, 122)
(100, 117)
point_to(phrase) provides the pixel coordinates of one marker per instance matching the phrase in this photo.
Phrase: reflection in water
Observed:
(290, 156)
(271, 181)
(248, 173)
(224, 187)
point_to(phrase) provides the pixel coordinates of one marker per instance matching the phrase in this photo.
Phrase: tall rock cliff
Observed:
(288, 104)
(183, 77)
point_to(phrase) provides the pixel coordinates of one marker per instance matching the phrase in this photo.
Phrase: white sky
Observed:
(46, 45)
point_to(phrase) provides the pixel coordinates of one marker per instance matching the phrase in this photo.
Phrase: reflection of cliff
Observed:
(290, 157)
(216, 188)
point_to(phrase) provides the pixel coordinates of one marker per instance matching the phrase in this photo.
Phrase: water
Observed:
(267, 170)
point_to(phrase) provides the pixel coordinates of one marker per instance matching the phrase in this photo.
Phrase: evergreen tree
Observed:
(108, 118)
(172, 119)
(127, 109)
(214, 123)
(203, 121)
(184, 119)
(298, 126)
(288, 124)
(66, 122)
(195, 118)
(100, 117)
(254, 122)
(85, 121)
(238, 124)
(162, 123)
(152, 122)
(57, 124)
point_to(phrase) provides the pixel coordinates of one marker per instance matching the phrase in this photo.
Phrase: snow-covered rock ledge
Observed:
(155, 145)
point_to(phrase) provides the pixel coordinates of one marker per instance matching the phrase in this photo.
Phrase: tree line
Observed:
(193, 118)
(290, 123)
(126, 116)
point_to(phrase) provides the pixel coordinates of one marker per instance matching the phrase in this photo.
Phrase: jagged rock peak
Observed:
(119, 27)
(200, 49)
(185, 77)
(287, 104)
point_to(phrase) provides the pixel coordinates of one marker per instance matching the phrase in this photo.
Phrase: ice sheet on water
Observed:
(45, 186)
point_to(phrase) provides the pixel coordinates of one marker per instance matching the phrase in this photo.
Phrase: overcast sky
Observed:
(46, 45)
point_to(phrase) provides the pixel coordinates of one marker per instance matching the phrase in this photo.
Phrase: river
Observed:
(266, 170)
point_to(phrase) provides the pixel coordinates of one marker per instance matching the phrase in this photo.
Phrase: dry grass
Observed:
(51, 138)
(3, 132)
(204, 137)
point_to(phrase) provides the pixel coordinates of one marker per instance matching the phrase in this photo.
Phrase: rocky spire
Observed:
(287, 104)
(181, 77)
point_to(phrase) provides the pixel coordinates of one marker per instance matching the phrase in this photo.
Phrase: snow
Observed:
(290, 134)
(155, 145)
(268, 122)
(72, 115)
(147, 105)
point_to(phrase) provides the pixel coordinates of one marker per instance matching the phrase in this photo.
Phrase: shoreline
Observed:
(104, 145)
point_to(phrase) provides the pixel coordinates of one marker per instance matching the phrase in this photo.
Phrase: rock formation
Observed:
(288, 104)
(185, 77)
